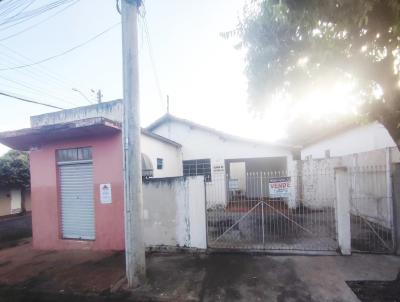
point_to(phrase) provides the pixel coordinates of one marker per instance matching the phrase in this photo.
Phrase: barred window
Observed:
(197, 167)
(74, 154)
(160, 163)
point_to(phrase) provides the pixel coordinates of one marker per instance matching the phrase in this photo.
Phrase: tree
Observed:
(14, 170)
(296, 46)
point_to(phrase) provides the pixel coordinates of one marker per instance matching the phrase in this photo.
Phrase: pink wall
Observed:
(109, 219)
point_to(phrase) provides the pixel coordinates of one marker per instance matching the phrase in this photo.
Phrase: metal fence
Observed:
(253, 212)
(246, 212)
(371, 209)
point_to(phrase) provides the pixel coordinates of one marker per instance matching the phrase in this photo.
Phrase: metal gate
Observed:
(77, 206)
(249, 216)
(371, 209)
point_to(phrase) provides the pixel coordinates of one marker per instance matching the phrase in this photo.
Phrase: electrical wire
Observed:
(150, 50)
(34, 13)
(43, 72)
(29, 101)
(38, 23)
(19, 13)
(40, 77)
(37, 90)
(35, 76)
(10, 6)
(64, 52)
(40, 69)
(118, 7)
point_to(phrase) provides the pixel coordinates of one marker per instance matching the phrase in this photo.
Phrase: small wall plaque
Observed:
(105, 193)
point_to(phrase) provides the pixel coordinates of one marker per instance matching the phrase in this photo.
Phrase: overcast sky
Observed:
(201, 72)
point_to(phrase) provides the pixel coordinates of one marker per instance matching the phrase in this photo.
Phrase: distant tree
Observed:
(14, 170)
(294, 46)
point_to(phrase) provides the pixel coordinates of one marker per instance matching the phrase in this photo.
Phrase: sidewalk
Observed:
(30, 275)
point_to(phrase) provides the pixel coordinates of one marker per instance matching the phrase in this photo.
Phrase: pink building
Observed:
(77, 177)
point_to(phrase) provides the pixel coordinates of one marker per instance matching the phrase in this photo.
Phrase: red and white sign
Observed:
(279, 187)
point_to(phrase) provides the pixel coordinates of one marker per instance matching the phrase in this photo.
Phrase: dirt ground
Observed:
(32, 275)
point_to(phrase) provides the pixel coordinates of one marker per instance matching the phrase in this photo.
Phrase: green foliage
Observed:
(294, 46)
(14, 170)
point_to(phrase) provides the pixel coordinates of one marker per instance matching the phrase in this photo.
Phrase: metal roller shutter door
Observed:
(77, 206)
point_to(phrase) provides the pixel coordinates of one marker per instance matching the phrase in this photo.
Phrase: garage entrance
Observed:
(267, 211)
(76, 193)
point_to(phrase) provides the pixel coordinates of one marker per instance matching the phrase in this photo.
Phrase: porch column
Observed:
(343, 210)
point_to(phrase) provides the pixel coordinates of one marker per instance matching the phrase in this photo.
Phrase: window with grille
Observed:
(160, 163)
(197, 167)
(74, 154)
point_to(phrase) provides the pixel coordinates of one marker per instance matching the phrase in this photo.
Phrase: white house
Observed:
(351, 140)
(14, 201)
(368, 151)
(164, 154)
(217, 155)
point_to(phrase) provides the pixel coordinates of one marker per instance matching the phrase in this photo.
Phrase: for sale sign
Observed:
(279, 187)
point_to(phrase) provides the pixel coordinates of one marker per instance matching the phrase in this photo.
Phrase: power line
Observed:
(37, 90)
(45, 71)
(10, 6)
(40, 79)
(19, 13)
(38, 23)
(64, 52)
(150, 49)
(29, 101)
(33, 13)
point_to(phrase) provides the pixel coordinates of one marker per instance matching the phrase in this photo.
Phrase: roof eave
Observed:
(168, 117)
(25, 139)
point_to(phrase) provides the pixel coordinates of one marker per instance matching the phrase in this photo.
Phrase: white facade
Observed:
(170, 155)
(202, 143)
(364, 138)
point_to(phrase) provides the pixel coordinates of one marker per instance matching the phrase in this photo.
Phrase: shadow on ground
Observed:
(373, 291)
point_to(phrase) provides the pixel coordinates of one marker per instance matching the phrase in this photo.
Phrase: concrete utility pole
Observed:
(134, 242)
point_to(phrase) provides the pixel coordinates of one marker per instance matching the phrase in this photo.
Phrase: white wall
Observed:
(174, 212)
(198, 144)
(5, 202)
(197, 212)
(110, 110)
(360, 139)
(171, 155)
(369, 182)
(16, 201)
(201, 144)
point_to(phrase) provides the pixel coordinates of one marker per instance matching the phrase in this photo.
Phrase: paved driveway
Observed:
(32, 275)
